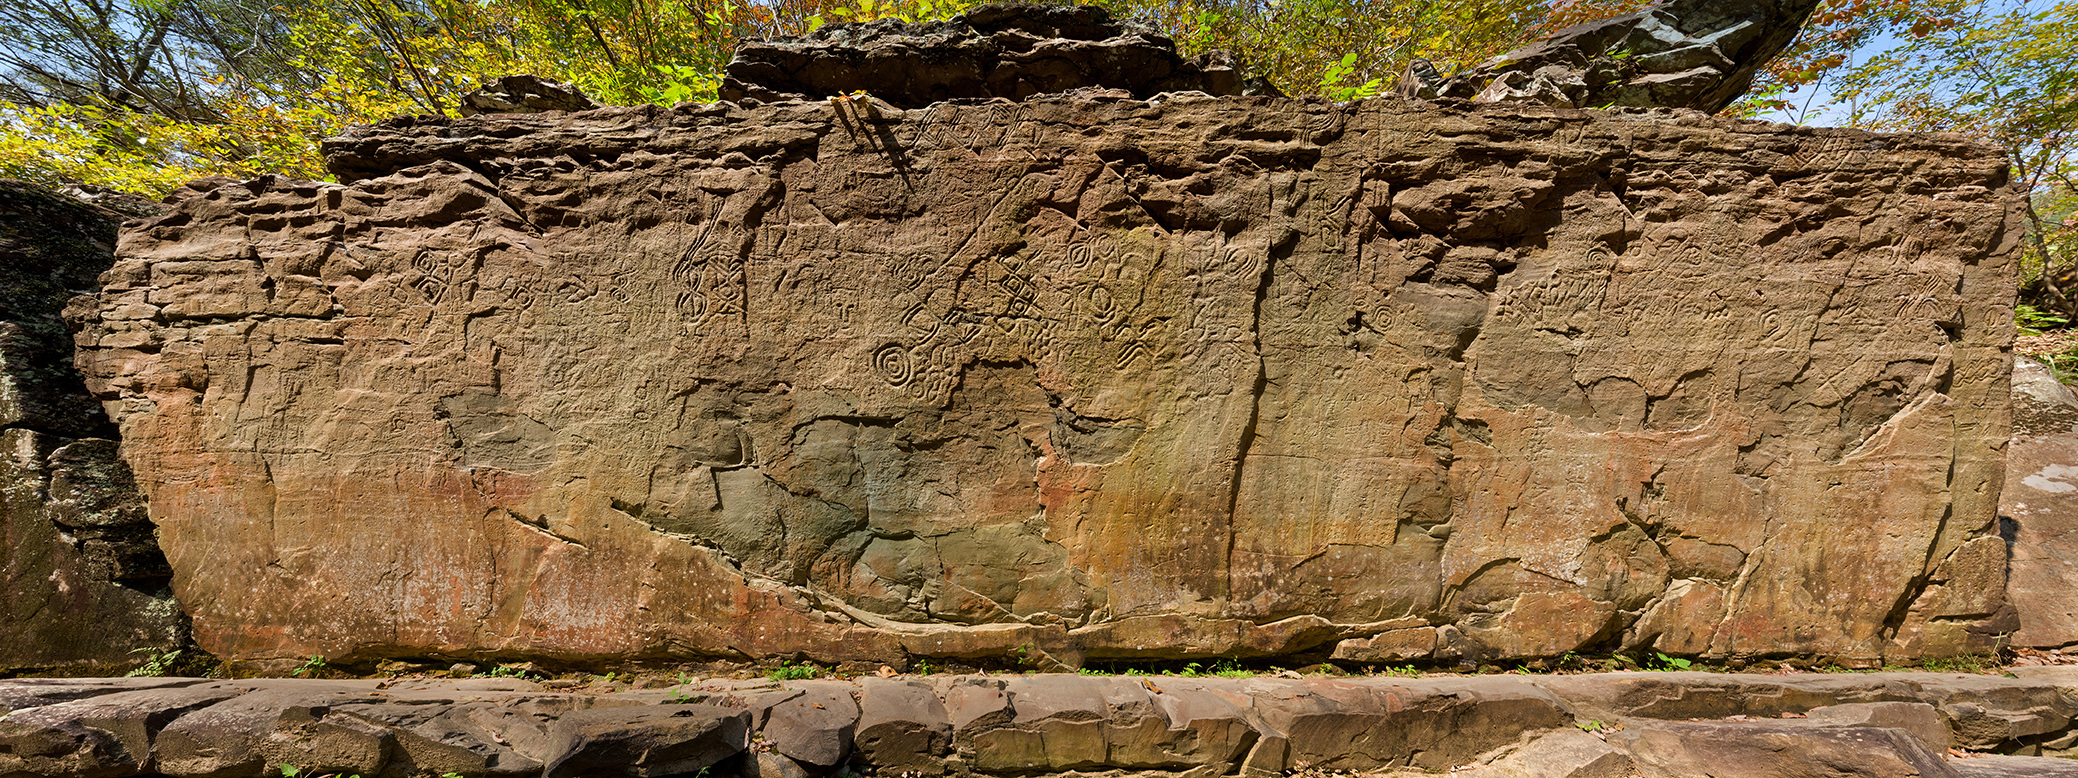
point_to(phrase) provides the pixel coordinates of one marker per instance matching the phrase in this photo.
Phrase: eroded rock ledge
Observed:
(1078, 378)
(1658, 725)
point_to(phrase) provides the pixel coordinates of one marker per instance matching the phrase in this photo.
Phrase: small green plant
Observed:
(311, 667)
(1228, 668)
(788, 671)
(1332, 81)
(1967, 663)
(1661, 661)
(2063, 364)
(521, 671)
(158, 663)
(1403, 671)
(923, 667)
(2034, 321)
(1589, 726)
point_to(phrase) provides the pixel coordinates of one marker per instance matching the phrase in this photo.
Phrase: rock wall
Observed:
(1085, 377)
(82, 582)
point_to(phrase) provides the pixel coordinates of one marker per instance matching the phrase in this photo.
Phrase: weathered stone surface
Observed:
(646, 741)
(235, 737)
(1483, 727)
(525, 94)
(1983, 712)
(1562, 753)
(2039, 508)
(1397, 645)
(22, 693)
(1699, 54)
(82, 582)
(814, 728)
(1022, 380)
(1776, 749)
(1008, 50)
(105, 735)
(2015, 767)
(1436, 725)
(1921, 720)
(902, 725)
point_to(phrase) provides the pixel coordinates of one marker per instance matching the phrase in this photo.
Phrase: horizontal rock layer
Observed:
(1078, 378)
(1660, 725)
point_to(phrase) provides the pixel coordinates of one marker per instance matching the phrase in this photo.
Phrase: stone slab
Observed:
(1584, 726)
(2039, 508)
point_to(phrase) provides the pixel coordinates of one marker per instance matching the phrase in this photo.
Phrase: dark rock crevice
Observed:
(81, 566)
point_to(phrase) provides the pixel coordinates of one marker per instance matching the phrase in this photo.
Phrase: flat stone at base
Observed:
(107, 735)
(1771, 749)
(1563, 753)
(902, 726)
(646, 742)
(2015, 767)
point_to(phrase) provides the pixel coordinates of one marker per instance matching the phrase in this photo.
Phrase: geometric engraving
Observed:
(892, 360)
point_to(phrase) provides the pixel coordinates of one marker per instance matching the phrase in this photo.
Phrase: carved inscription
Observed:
(1555, 301)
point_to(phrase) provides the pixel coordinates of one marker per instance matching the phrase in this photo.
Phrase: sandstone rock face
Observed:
(1078, 378)
(82, 582)
(2039, 508)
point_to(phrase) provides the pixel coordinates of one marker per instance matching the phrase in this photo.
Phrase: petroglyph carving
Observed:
(813, 404)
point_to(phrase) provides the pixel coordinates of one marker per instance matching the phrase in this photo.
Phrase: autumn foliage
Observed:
(143, 95)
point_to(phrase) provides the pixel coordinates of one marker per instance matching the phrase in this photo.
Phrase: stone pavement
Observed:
(1658, 725)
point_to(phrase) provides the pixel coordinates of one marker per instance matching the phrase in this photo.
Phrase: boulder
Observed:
(525, 94)
(645, 742)
(998, 50)
(1561, 753)
(1078, 377)
(902, 726)
(814, 727)
(1776, 749)
(106, 735)
(1700, 54)
(2039, 508)
(1920, 720)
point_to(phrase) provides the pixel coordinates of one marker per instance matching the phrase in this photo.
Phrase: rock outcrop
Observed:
(1081, 377)
(2039, 508)
(1007, 50)
(1699, 54)
(525, 94)
(82, 581)
(1891, 725)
